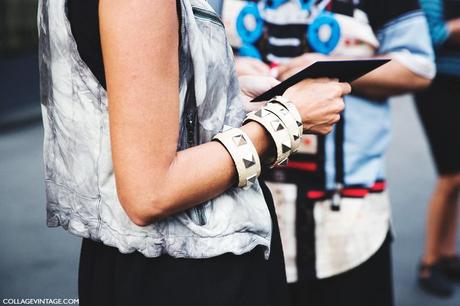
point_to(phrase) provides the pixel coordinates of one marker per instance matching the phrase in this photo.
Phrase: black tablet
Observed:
(343, 70)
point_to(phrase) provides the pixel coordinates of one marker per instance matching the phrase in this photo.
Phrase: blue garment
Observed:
(367, 122)
(447, 59)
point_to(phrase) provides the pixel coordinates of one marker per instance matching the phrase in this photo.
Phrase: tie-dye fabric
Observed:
(80, 184)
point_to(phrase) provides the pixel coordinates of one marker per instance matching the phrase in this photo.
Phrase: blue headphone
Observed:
(325, 19)
(250, 36)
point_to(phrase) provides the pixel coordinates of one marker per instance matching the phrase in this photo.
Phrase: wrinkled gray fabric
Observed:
(80, 185)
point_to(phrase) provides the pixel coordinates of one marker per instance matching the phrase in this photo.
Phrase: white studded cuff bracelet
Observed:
(277, 130)
(288, 119)
(291, 108)
(243, 153)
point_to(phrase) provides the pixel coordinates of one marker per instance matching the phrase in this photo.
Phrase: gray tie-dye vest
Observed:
(80, 185)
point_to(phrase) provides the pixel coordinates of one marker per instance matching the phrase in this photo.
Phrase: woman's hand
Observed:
(251, 66)
(253, 86)
(319, 102)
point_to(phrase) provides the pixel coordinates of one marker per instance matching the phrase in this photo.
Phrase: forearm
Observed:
(154, 181)
(453, 27)
(389, 80)
(193, 176)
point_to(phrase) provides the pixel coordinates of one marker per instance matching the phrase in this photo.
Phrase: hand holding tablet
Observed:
(343, 70)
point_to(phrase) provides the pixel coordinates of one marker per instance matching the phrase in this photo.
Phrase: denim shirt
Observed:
(80, 183)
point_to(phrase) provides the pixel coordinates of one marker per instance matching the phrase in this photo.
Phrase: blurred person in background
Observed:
(439, 110)
(133, 93)
(333, 210)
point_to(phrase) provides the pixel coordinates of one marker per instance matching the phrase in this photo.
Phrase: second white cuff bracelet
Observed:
(288, 118)
(277, 130)
(243, 153)
(292, 110)
(281, 119)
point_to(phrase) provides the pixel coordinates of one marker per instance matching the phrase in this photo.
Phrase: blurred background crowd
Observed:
(39, 262)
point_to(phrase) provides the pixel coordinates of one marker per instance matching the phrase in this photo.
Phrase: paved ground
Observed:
(19, 89)
(411, 177)
(39, 262)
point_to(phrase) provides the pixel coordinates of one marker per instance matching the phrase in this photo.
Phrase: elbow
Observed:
(143, 211)
(139, 219)
(420, 83)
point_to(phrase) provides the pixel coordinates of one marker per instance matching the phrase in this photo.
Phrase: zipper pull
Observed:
(336, 197)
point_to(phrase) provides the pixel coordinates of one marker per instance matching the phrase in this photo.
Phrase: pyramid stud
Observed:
(285, 147)
(296, 137)
(239, 140)
(277, 126)
(249, 162)
(226, 128)
(260, 113)
(299, 123)
(283, 111)
(251, 180)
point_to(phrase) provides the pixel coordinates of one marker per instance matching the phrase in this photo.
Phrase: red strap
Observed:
(378, 186)
(354, 192)
(315, 194)
(349, 192)
(306, 166)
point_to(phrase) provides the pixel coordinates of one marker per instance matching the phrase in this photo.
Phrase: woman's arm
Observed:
(453, 27)
(391, 79)
(140, 49)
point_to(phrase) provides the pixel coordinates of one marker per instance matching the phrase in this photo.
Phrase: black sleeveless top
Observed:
(108, 277)
(84, 21)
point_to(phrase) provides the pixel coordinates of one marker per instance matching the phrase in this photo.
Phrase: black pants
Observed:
(369, 284)
(439, 110)
(108, 277)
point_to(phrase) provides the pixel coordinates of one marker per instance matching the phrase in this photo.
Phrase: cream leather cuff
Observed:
(288, 119)
(277, 130)
(243, 153)
(291, 108)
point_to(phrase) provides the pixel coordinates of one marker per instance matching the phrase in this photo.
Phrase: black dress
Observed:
(108, 277)
(438, 106)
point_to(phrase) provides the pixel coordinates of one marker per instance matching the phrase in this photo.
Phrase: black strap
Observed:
(339, 164)
(339, 158)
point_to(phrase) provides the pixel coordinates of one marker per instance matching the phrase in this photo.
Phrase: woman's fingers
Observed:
(320, 103)
(346, 88)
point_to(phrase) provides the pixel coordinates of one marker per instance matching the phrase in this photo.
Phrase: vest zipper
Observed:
(201, 13)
